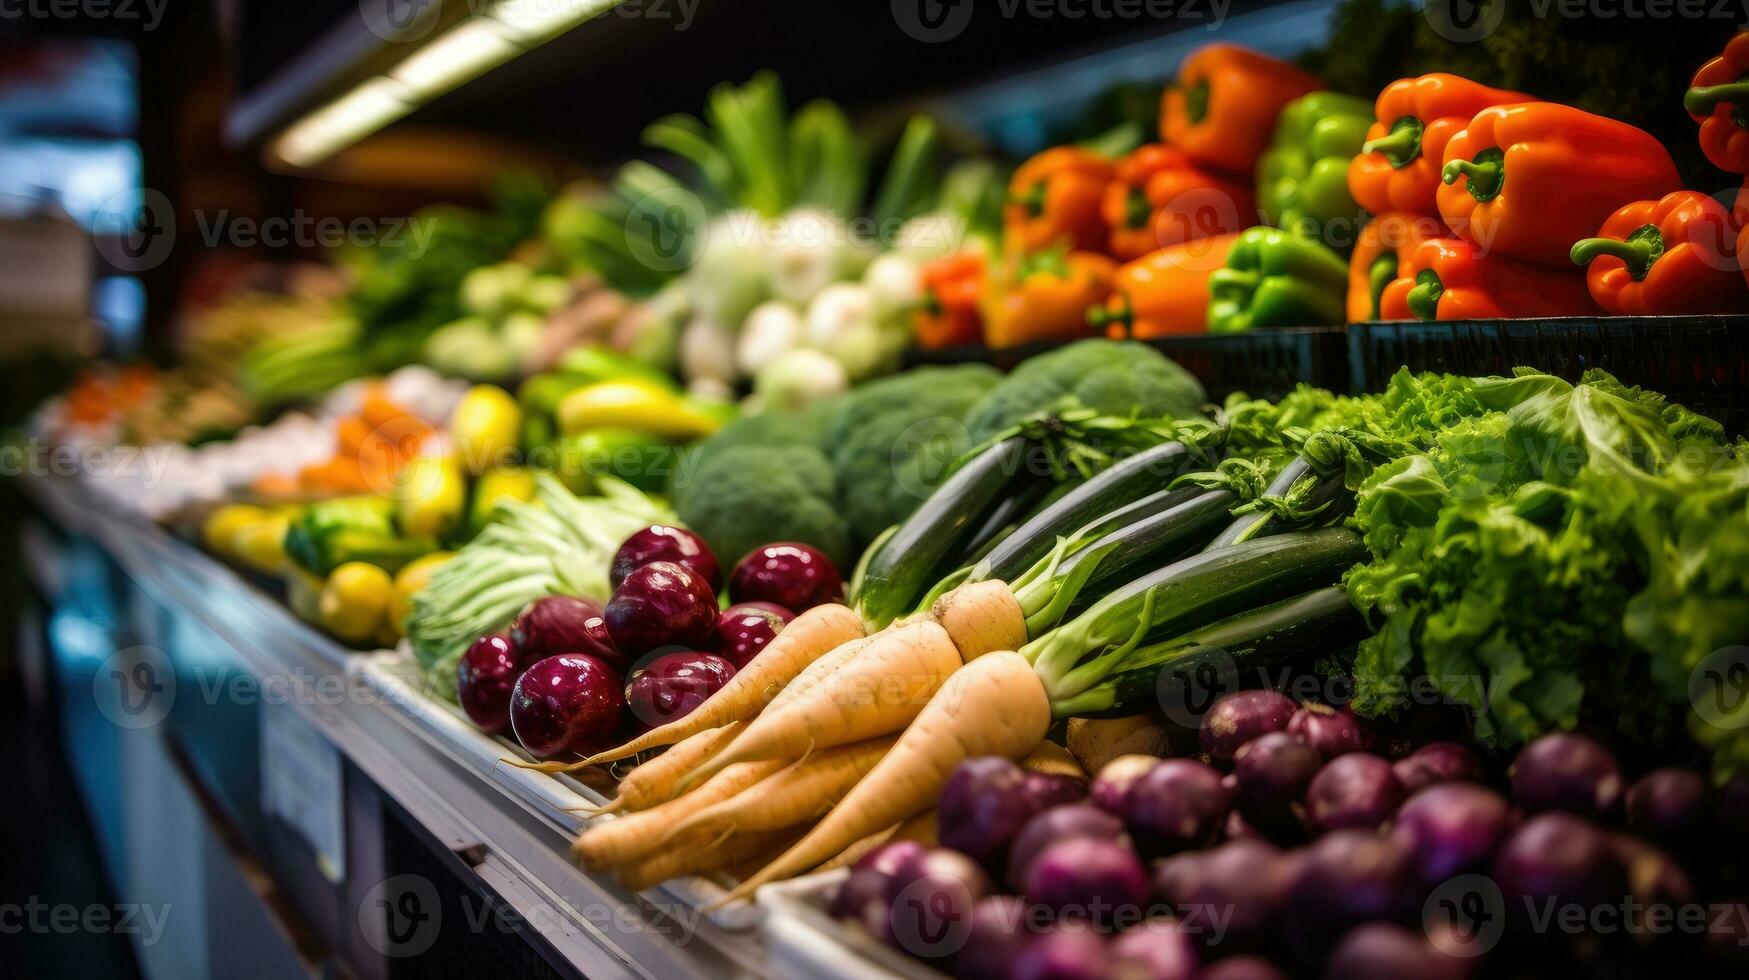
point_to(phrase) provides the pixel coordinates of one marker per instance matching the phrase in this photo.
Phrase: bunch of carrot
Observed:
(371, 447)
(842, 729)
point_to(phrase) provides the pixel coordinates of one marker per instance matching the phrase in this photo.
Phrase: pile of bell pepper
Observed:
(1268, 201)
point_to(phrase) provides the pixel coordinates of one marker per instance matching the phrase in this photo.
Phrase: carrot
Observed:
(995, 705)
(738, 852)
(799, 794)
(981, 618)
(653, 781)
(876, 692)
(810, 636)
(629, 838)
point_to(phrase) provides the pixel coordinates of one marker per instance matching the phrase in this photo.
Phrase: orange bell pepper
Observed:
(1053, 200)
(949, 313)
(1165, 292)
(1386, 244)
(1529, 180)
(1398, 166)
(1045, 297)
(1159, 197)
(1454, 279)
(1673, 255)
(1221, 109)
(1718, 99)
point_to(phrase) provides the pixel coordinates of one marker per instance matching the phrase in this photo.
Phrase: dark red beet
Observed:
(1001, 927)
(1670, 805)
(1353, 790)
(1179, 804)
(744, 630)
(483, 681)
(1345, 878)
(863, 896)
(557, 624)
(930, 899)
(660, 542)
(1452, 828)
(661, 605)
(793, 575)
(1566, 772)
(565, 705)
(670, 686)
(1270, 775)
(1560, 857)
(771, 607)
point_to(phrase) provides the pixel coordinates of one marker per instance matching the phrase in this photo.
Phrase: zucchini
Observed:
(1209, 660)
(895, 575)
(1272, 512)
(1189, 593)
(1124, 483)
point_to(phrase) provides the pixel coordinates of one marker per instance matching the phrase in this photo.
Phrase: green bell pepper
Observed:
(1302, 179)
(1275, 278)
(331, 533)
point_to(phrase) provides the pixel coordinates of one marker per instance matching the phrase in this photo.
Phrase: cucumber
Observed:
(1124, 483)
(1212, 658)
(1189, 593)
(896, 575)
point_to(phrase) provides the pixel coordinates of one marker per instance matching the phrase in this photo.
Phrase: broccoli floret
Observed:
(893, 441)
(746, 496)
(1119, 377)
(803, 428)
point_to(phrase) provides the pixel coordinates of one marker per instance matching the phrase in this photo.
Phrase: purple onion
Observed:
(1245, 881)
(1063, 953)
(484, 679)
(1059, 824)
(1345, 878)
(671, 686)
(1098, 881)
(566, 705)
(1670, 805)
(1385, 951)
(662, 604)
(1157, 950)
(1353, 790)
(1452, 828)
(1116, 777)
(1566, 772)
(863, 896)
(1329, 731)
(1001, 927)
(1178, 804)
(1044, 790)
(1239, 718)
(1559, 857)
(744, 630)
(930, 899)
(558, 624)
(983, 805)
(661, 542)
(1270, 775)
(792, 575)
(1436, 762)
(1243, 968)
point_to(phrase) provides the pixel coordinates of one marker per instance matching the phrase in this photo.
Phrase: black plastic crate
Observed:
(1698, 361)
(1262, 363)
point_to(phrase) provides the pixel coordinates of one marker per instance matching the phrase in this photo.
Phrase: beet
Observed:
(565, 705)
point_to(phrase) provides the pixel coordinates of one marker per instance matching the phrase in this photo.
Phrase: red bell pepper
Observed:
(1454, 279)
(1718, 99)
(1677, 254)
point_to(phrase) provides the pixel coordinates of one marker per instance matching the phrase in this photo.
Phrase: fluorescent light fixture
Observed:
(468, 50)
(344, 121)
(538, 20)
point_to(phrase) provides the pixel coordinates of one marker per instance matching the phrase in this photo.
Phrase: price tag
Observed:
(301, 782)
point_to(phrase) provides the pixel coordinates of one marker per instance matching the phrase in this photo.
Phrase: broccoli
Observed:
(892, 441)
(800, 428)
(1120, 377)
(754, 495)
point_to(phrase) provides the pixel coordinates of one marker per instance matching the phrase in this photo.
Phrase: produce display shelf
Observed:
(510, 830)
